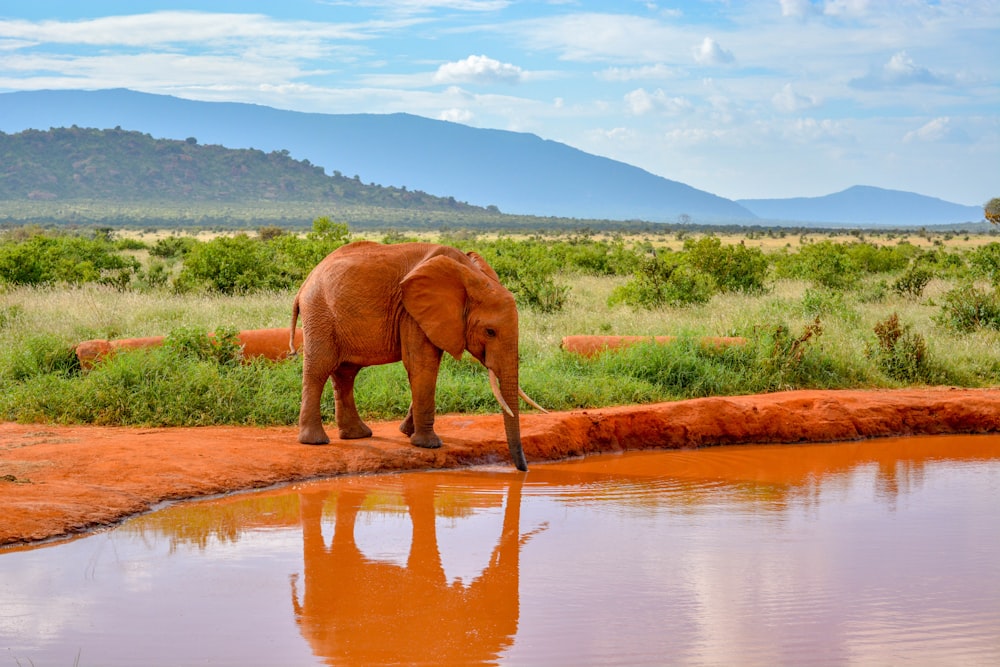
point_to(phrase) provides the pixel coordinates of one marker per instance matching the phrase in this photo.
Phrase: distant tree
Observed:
(992, 210)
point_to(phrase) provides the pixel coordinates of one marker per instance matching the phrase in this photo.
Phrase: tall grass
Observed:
(798, 336)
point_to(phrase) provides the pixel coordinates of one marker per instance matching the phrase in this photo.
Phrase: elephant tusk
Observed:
(529, 401)
(496, 393)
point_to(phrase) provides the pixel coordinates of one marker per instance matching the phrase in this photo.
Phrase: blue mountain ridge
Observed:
(517, 172)
(865, 205)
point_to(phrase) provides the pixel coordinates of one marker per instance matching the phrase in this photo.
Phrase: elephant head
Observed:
(462, 306)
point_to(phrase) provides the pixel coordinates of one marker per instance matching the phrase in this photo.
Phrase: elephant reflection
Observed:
(355, 610)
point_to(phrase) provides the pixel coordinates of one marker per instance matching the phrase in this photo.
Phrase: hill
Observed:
(517, 172)
(865, 205)
(119, 165)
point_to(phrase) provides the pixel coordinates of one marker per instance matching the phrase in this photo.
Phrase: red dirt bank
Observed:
(60, 480)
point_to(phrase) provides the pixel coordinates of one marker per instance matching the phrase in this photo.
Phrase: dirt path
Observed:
(60, 480)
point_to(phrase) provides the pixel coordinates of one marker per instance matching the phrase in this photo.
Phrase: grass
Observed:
(799, 336)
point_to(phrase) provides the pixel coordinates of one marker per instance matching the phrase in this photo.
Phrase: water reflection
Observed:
(354, 609)
(871, 553)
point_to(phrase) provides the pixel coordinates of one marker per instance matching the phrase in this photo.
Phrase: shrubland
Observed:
(869, 311)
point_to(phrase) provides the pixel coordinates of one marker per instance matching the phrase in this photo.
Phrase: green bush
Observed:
(223, 347)
(43, 259)
(900, 353)
(734, 268)
(664, 281)
(528, 269)
(825, 264)
(985, 262)
(967, 308)
(913, 281)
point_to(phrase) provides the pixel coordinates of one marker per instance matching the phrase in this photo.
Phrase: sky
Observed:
(741, 98)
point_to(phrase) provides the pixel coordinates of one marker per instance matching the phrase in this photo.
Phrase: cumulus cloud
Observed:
(710, 53)
(478, 69)
(901, 70)
(641, 102)
(789, 101)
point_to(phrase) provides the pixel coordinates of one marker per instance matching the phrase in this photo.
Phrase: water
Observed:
(881, 552)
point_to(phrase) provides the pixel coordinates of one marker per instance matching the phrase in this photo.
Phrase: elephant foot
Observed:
(425, 440)
(355, 432)
(309, 437)
(407, 426)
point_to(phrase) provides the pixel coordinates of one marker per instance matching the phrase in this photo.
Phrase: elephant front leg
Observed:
(348, 420)
(422, 371)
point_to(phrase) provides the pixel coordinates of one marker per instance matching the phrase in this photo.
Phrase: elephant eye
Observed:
(492, 333)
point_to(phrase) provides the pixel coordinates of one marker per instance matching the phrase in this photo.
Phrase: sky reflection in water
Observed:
(882, 551)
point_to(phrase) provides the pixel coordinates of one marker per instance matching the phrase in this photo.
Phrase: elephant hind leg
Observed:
(348, 420)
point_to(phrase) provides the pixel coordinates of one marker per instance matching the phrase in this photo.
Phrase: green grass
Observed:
(41, 382)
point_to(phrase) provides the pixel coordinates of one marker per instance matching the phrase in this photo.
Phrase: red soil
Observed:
(59, 480)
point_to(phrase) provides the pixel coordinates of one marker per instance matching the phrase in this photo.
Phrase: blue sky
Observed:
(745, 99)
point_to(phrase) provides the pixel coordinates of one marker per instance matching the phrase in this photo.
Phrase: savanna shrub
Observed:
(229, 265)
(664, 281)
(826, 264)
(734, 268)
(223, 347)
(913, 281)
(527, 269)
(43, 259)
(967, 308)
(172, 246)
(899, 353)
(985, 262)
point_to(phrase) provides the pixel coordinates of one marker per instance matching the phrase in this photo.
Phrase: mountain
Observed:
(517, 172)
(865, 205)
(123, 165)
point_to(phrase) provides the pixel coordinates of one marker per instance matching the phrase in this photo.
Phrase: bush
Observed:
(967, 308)
(528, 270)
(223, 347)
(734, 268)
(825, 264)
(899, 353)
(912, 283)
(664, 281)
(74, 260)
(229, 265)
(985, 262)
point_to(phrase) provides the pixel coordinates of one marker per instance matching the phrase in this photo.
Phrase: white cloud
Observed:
(937, 130)
(710, 53)
(848, 8)
(646, 72)
(478, 69)
(456, 115)
(641, 102)
(788, 101)
(796, 8)
(900, 70)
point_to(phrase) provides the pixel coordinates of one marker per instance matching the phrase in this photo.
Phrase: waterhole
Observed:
(877, 552)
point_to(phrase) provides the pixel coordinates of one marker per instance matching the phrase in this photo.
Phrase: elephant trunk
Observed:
(507, 395)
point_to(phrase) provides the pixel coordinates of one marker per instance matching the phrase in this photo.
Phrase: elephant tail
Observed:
(291, 332)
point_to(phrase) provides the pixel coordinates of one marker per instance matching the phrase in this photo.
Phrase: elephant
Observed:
(367, 304)
(353, 609)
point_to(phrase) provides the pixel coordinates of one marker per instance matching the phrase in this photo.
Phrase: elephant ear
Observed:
(434, 294)
(480, 263)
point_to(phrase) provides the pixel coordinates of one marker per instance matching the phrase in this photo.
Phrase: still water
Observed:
(880, 552)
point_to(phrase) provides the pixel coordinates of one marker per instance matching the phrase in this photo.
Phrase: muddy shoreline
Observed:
(58, 481)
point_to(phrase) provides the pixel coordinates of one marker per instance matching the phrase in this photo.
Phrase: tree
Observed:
(992, 210)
